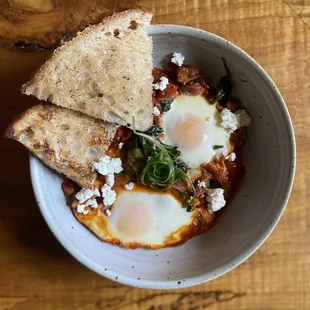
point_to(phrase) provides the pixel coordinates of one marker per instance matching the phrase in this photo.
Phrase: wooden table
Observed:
(37, 273)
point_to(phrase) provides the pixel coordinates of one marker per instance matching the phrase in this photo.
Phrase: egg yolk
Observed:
(188, 132)
(135, 219)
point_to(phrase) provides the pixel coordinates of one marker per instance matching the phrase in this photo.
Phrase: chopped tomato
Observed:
(217, 169)
(233, 104)
(156, 102)
(200, 192)
(173, 69)
(171, 91)
(157, 74)
(237, 139)
(194, 89)
(69, 187)
(157, 120)
(203, 83)
(122, 135)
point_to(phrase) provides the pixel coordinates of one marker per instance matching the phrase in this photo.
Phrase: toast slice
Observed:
(64, 140)
(104, 72)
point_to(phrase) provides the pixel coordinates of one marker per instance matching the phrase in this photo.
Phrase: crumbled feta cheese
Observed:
(84, 194)
(162, 84)
(108, 195)
(156, 111)
(110, 179)
(129, 186)
(231, 157)
(233, 121)
(81, 209)
(103, 165)
(116, 164)
(215, 198)
(202, 184)
(107, 165)
(96, 192)
(91, 203)
(108, 212)
(177, 58)
(120, 145)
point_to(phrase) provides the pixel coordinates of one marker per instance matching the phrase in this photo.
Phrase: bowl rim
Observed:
(230, 263)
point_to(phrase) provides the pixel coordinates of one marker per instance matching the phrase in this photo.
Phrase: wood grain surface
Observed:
(37, 273)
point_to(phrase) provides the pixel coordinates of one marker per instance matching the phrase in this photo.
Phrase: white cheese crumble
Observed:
(91, 203)
(215, 198)
(156, 111)
(96, 192)
(129, 186)
(108, 195)
(202, 184)
(120, 145)
(162, 84)
(233, 121)
(231, 157)
(81, 209)
(108, 212)
(107, 165)
(177, 58)
(109, 178)
(84, 194)
(116, 165)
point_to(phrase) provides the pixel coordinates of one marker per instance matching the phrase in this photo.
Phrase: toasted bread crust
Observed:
(65, 140)
(104, 94)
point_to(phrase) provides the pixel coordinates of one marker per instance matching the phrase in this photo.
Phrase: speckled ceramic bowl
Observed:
(269, 157)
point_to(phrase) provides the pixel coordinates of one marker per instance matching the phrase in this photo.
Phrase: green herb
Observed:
(190, 207)
(166, 103)
(219, 96)
(154, 131)
(180, 164)
(137, 153)
(184, 196)
(217, 147)
(148, 146)
(173, 151)
(224, 87)
(136, 160)
(160, 172)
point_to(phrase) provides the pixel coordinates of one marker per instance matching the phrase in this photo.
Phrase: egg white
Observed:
(146, 217)
(184, 106)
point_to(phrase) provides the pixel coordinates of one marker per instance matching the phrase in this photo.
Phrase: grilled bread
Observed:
(104, 72)
(65, 140)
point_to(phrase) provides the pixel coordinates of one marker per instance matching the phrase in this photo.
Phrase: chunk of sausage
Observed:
(186, 75)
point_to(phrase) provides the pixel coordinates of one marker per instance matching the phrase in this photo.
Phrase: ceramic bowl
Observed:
(269, 156)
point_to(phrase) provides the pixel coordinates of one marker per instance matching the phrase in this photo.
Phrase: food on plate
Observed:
(65, 140)
(164, 186)
(157, 172)
(105, 71)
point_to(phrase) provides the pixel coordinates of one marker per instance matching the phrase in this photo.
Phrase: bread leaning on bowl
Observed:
(65, 140)
(104, 72)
